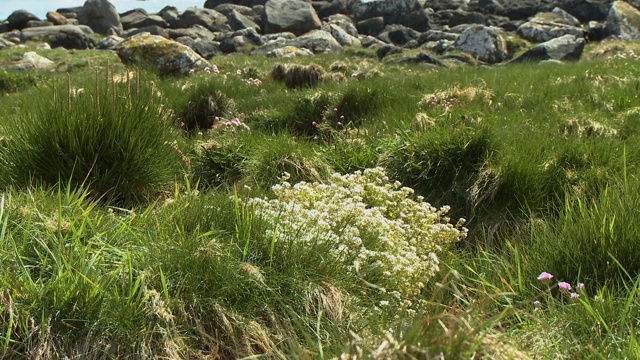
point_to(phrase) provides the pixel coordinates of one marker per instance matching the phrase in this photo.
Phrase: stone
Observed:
(32, 61)
(110, 42)
(319, 42)
(168, 56)
(212, 4)
(5, 44)
(18, 19)
(206, 49)
(72, 40)
(566, 48)
(546, 26)
(208, 18)
(39, 33)
(485, 43)
(151, 29)
(56, 18)
(399, 34)
(237, 21)
(420, 58)
(589, 10)
(623, 21)
(372, 26)
(101, 16)
(369, 41)
(326, 8)
(388, 49)
(250, 34)
(410, 13)
(296, 16)
(139, 18)
(289, 52)
(195, 32)
(343, 38)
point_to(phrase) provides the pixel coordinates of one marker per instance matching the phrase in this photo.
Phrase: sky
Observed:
(41, 7)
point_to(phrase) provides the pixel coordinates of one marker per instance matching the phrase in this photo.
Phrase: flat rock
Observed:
(546, 26)
(565, 48)
(32, 61)
(296, 16)
(483, 42)
(168, 56)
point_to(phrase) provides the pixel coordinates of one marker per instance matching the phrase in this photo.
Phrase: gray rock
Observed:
(237, 21)
(410, 13)
(212, 4)
(195, 32)
(18, 19)
(317, 41)
(372, 26)
(388, 49)
(32, 61)
(151, 29)
(343, 38)
(171, 15)
(252, 35)
(110, 42)
(623, 21)
(589, 10)
(326, 8)
(437, 35)
(420, 58)
(369, 41)
(567, 48)
(484, 43)
(296, 16)
(206, 49)
(547, 26)
(399, 34)
(597, 31)
(101, 16)
(72, 40)
(168, 56)
(5, 44)
(278, 36)
(210, 19)
(226, 9)
(139, 18)
(39, 33)
(289, 52)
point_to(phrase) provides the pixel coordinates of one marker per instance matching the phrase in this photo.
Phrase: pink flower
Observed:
(341, 116)
(335, 109)
(564, 286)
(315, 124)
(580, 286)
(339, 123)
(239, 72)
(575, 295)
(545, 277)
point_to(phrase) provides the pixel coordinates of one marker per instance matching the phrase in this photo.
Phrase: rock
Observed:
(369, 41)
(206, 49)
(18, 19)
(171, 15)
(439, 5)
(547, 26)
(388, 49)
(4, 26)
(101, 16)
(109, 42)
(372, 26)
(439, 46)
(72, 40)
(484, 43)
(56, 18)
(437, 35)
(237, 21)
(278, 36)
(39, 33)
(168, 56)
(345, 23)
(487, 7)
(589, 10)
(70, 13)
(524, 9)
(212, 4)
(210, 19)
(458, 17)
(597, 31)
(343, 38)
(410, 13)
(398, 34)
(289, 52)
(195, 32)
(567, 47)
(5, 44)
(233, 44)
(226, 9)
(252, 35)
(152, 29)
(326, 8)
(32, 61)
(420, 58)
(296, 16)
(37, 23)
(623, 21)
(317, 41)
(15, 36)
(139, 18)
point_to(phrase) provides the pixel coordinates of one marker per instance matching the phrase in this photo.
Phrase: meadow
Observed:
(376, 211)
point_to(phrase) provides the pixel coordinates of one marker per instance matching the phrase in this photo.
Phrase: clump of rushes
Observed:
(117, 142)
(297, 76)
(205, 107)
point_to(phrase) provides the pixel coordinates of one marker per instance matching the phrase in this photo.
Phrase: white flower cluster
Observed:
(384, 234)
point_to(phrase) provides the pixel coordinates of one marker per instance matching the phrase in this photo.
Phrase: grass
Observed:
(126, 235)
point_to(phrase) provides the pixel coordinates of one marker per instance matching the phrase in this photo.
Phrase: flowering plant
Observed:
(384, 235)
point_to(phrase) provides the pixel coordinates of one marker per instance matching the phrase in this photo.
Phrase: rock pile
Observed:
(557, 30)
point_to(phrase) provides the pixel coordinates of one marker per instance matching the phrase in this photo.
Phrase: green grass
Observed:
(126, 235)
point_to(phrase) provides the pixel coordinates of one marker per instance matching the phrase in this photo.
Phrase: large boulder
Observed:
(316, 41)
(410, 13)
(56, 18)
(139, 18)
(210, 19)
(19, 19)
(567, 47)
(47, 32)
(483, 42)
(341, 35)
(32, 61)
(168, 56)
(623, 21)
(101, 16)
(296, 16)
(237, 21)
(546, 26)
(588, 10)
